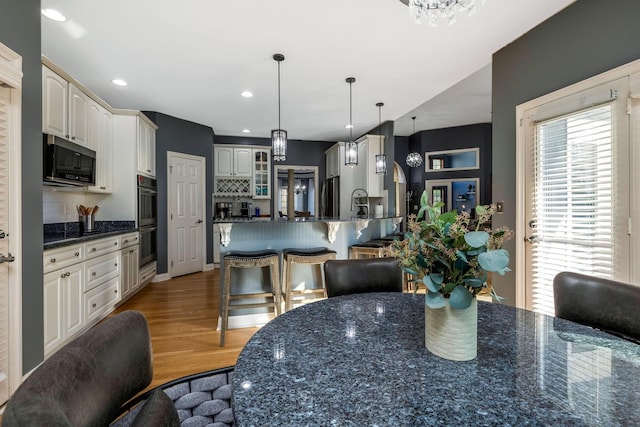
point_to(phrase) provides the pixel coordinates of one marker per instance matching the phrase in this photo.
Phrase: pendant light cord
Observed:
(279, 127)
(350, 114)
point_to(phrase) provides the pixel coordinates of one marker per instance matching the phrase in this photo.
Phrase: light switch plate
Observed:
(500, 207)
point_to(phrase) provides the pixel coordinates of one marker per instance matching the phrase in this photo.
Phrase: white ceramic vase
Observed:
(452, 334)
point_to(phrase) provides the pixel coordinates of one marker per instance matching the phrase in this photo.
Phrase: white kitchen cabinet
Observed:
(101, 269)
(261, 173)
(233, 161)
(129, 279)
(100, 139)
(333, 161)
(100, 300)
(78, 115)
(365, 173)
(216, 245)
(146, 148)
(63, 306)
(55, 99)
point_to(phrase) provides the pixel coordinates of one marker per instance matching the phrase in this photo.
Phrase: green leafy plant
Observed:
(451, 254)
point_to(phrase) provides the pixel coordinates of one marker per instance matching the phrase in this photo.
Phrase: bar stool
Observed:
(252, 259)
(370, 249)
(312, 256)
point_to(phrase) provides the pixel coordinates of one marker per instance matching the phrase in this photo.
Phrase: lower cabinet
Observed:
(91, 282)
(63, 306)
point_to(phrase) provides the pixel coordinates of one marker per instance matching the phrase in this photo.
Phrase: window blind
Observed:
(573, 212)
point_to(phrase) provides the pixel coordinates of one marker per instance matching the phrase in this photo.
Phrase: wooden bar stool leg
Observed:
(275, 285)
(226, 291)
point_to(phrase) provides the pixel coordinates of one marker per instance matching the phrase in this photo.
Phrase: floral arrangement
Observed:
(450, 259)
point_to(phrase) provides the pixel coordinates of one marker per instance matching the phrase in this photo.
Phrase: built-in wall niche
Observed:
(460, 194)
(452, 160)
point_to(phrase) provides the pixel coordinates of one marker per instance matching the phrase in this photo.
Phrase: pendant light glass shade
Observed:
(414, 159)
(351, 147)
(381, 159)
(279, 136)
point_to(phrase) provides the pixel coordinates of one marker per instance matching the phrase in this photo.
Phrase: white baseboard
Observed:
(209, 267)
(161, 277)
(246, 320)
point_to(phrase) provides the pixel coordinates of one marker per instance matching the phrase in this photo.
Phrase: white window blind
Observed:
(4, 244)
(573, 212)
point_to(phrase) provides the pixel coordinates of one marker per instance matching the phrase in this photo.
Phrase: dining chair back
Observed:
(600, 303)
(353, 276)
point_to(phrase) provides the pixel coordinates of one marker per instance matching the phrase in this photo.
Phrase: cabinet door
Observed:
(105, 161)
(223, 161)
(151, 150)
(78, 111)
(134, 266)
(242, 161)
(129, 275)
(53, 309)
(73, 301)
(261, 173)
(142, 141)
(54, 103)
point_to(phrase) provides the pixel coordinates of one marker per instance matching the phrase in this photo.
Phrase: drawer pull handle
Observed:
(93, 249)
(131, 251)
(115, 243)
(115, 265)
(115, 291)
(93, 305)
(77, 254)
(126, 241)
(53, 260)
(93, 274)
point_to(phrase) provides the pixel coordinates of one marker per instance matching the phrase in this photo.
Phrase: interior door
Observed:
(186, 214)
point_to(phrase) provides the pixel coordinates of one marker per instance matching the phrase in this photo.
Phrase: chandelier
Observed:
(433, 10)
(279, 136)
(414, 159)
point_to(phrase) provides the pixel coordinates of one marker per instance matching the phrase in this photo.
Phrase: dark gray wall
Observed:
(186, 137)
(586, 39)
(20, 31)
(299, 152)
(471, 136)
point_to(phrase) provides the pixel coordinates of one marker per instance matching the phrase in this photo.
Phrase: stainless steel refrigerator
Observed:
(331, 197)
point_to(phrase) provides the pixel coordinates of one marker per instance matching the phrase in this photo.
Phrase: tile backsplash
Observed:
(60, 204)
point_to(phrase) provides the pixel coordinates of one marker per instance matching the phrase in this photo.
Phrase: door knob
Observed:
(8, 258)
(199, 221)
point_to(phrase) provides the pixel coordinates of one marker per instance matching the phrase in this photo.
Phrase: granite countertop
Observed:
(61, 234)
(303, 369)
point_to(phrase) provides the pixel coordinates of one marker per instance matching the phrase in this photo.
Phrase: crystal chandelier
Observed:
(279, 136)
(414, 159)
(433, 10)
(351, 147)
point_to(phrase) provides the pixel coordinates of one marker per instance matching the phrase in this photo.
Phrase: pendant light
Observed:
(351, 148)
(279, 136)
(381, 159)
(414, 159)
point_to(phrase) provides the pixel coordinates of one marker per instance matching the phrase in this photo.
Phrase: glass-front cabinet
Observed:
(261, 173)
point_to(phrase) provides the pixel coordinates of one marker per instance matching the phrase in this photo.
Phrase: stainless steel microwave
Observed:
(67, 163)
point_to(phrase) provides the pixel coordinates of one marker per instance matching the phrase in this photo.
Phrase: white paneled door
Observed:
(186, 214)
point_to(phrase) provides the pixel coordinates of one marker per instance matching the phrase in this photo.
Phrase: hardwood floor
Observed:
(183, 316)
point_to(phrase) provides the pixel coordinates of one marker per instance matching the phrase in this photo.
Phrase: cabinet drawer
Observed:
(101, 299)
(56, 259)
(131, 239)
(102, 246)
(99, 270)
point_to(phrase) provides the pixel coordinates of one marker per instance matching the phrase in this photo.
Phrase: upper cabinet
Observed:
(365, 175)
(261, 173)
(146, 146)
(233, 161)
(333, 161)
(100, 139)
(65, 108)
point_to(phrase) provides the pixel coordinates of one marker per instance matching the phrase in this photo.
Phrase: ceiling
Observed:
(191, 59)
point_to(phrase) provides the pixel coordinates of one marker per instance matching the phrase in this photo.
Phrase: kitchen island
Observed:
(337, 234)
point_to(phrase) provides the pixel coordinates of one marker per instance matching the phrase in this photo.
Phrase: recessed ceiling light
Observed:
(348, 126)
(54, 15)
(246, 93)
(119, 82)
(246, 131)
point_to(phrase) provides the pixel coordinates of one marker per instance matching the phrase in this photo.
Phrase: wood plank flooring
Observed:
(183, 316)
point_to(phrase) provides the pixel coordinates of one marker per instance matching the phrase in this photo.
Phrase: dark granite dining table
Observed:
(360, 360)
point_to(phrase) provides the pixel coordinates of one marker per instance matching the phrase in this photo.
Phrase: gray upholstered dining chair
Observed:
(603, 304)
(353, 276)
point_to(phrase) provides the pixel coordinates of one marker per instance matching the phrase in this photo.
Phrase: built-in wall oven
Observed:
(147, 218)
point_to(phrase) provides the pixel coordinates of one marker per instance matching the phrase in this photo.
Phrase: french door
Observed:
(577, 189)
